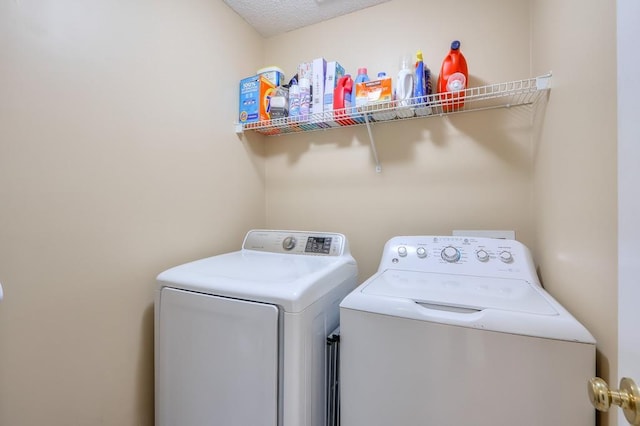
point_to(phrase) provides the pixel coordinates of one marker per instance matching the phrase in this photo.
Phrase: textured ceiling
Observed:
(272, 17)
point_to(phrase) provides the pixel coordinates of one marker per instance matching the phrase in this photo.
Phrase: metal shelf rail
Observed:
(498, 95)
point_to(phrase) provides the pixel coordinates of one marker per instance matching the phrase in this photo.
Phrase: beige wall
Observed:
(117, 160)
(575, 182)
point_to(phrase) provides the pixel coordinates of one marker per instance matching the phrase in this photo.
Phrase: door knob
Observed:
(628, 397)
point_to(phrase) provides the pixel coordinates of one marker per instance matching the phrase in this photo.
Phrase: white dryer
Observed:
(458, 331)
(240, 338)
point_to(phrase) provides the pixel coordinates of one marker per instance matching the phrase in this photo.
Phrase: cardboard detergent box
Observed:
(255, 96)
(374, 91)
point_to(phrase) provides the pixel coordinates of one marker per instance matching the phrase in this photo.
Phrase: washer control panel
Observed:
(458, 255)
(296, 242)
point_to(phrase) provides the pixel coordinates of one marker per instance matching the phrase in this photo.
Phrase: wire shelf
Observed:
(499, 95)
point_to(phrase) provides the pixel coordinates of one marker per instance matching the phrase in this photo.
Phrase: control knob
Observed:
(421, 252)
(450, 254)
(506, 256)
(402, 251)
(289, 243)
(482, 255)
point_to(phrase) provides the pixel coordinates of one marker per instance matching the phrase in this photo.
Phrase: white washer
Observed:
(455, 330)
(240, 338)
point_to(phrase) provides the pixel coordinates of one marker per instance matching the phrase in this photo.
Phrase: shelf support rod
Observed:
(374, 151)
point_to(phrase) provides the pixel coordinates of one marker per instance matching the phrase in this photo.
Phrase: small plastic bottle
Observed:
(305, 98)
(294, 99)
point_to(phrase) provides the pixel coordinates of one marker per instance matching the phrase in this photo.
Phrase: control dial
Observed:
(421, 252)
(482, 255)
(450, 254)
(402, 251)
(289, 243)
(506, 256)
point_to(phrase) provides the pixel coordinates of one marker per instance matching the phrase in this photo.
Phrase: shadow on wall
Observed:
(507, 134)
(254, 144)
(145, 391)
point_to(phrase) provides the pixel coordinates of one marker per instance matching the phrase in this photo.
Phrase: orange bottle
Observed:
(453, 79)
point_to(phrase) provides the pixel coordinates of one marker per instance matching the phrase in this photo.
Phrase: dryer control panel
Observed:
(296, 242)
(459, 255)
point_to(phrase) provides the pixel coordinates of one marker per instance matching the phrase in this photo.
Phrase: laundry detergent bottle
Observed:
(342, 95)
(453, 79)
(422, 88)
(405, 86)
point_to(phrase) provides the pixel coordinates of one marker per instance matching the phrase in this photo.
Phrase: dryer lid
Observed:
(460, 291)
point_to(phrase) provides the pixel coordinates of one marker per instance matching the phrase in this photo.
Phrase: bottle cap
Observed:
(419, 55)
(382, 74)
(362, 71)
(455, 45)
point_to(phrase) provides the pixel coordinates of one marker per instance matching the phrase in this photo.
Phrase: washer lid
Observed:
(460, 291)
(291, 281)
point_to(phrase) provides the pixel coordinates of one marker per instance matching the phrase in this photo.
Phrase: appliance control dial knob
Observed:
(450, 254)
(506, 256)
(482, 255)
(289, 243)
(402, 251)
(421, 252)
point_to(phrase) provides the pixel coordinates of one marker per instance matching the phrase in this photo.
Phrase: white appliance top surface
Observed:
(289, 278)
(460, 291)
(480, 283)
